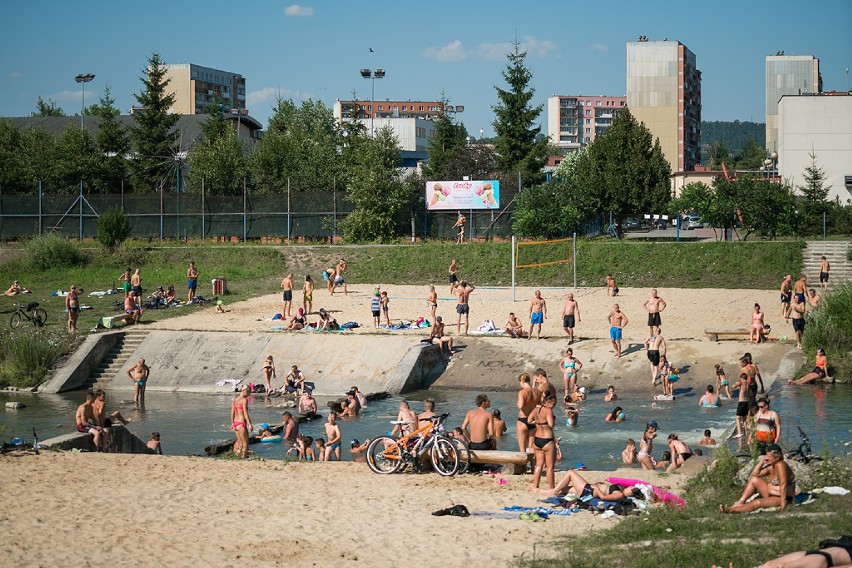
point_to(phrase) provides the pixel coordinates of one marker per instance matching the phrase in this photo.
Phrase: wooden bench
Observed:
(715, 333)
(110, 321)
(515, 463)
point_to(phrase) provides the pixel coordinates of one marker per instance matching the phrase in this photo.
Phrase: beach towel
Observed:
(102, 293)
(539, 510)
(225, 382)
(277, 328)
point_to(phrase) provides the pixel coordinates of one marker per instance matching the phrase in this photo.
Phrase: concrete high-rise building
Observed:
(575, 121)
(194, 87)
(787, 75)
(664, 92)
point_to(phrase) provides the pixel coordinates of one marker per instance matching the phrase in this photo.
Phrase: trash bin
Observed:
(220, 286)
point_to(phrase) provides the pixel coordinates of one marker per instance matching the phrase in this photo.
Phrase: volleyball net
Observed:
(535, 254)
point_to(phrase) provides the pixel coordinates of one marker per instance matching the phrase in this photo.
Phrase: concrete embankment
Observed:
(75, 370)
(121, 441)
(194, 361)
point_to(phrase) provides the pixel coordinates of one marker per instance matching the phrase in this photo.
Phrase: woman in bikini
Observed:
(820, 370)
(680, 452)
(527, 399)
(575, 484)
(268, 372)
(299, 321)
(610, 394)
(767, 425)
(722, 381)
(646, 446)
(240, 421)
(544, 443)
(756, 325)
(772, 478)
(433, 301)
(308, 294)
(570, 367)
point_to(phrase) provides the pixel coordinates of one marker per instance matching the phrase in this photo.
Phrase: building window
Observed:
(588, 112)
(597, 103)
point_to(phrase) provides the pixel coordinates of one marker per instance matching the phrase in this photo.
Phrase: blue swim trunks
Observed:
(537, 317)
(615, 333)
(191, 283)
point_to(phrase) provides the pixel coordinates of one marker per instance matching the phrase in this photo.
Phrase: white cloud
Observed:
(67, 96)
(295, 10)
(453, 51)
(456, 51)
(15, 75)
(599, 47)
(267, 94)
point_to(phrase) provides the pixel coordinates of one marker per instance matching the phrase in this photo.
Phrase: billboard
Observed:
(464, 195)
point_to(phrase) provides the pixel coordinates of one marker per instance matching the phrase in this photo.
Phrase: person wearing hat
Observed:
(220, 307)
(772, 478)
(326, 322)
(438, 334)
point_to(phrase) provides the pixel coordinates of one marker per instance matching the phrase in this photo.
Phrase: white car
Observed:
(693, 221)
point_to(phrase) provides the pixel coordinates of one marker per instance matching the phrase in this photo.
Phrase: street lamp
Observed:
(373, 75)
(83, 78)
(238, 112)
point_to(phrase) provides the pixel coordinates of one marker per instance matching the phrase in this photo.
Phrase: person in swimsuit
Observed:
(332, 431)
(298, 321)
(655, 346)
(291, 427)
(85, 421)
(406, 420)
(767, 426)
(307, 403)
(572, 415)
(139, 374)
(131, 307)
(376, 307)
(451, 276)
(528, 398)
(478, 425)
(570, 367)
(154, 444)
(319, 452)
(338, 277)
(136, 283)
(646, 447)
(709, 398)
(814, 300)
(308, 294)
(611, 286)
(754, 376)
(654, 305)
(574, 484)
(72, 306)
(707, 440)
(437, 334)
(786, 296)
(287, 295)
(544, 442)
(460, 222)
(514, 327)
(538, 313)
(570, 315)
(498, 425)
(100, 415)
(824, 267)
(756, 331)
(326, 322)
(124, 279)
(428, 412)
(432, 301)
(680, 452)
(819, 373)
(191, 281)
(268, 372)
(240, 422)
(385, 302)
(617, 320)
(772, 478)
(831, 553)
(610, 394)
(800, 288)
(722, 381)
(14, 289)
(462, 307)
(628, 454)
(295, 381)
(617, 415)
(797, 317)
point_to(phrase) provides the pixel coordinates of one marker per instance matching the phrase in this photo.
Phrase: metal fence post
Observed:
(244, 209)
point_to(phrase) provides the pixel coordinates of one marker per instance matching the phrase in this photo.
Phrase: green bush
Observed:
(113, 228)
(27, 356)
(830, 327)
(52, 251)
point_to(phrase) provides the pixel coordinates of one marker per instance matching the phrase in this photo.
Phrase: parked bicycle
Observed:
(388, 455)
(33, 313)
(803, 453)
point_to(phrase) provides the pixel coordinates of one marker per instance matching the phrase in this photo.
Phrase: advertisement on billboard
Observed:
(465, 195)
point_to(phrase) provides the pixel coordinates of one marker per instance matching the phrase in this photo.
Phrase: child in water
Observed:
(154, 443)
(628, 455)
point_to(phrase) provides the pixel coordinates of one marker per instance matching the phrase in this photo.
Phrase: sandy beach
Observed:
(98, 509)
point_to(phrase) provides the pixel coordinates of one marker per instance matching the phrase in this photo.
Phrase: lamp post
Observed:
(238, 112)
(83, 78)
(373, 75)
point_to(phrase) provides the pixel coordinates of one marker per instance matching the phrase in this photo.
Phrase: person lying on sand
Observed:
(573, 483)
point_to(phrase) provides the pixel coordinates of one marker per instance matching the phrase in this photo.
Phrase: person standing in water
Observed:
(241, 422)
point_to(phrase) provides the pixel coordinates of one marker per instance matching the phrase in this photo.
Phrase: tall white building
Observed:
(787, 75)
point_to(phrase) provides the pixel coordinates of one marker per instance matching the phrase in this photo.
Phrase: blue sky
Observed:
(315, 49)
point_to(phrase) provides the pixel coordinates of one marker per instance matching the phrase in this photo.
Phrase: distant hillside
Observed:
(733, 134)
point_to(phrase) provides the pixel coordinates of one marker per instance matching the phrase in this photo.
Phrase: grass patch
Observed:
(28, 354)
(830, 327)
(699, 535)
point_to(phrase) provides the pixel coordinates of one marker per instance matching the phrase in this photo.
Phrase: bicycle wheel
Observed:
(16, 319)
(445, 458)
(39, 317)
(463, 450)
(384, 456)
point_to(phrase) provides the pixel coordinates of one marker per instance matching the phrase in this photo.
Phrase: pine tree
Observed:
(214, 126)
(814, 188)
(113, 143)
(153, 135)
(518, 144)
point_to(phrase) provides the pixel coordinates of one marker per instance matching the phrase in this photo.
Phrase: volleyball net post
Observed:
(556, 254)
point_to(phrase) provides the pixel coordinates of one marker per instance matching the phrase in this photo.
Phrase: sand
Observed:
(100, 509)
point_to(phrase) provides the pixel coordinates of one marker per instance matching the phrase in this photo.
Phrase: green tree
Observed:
(220, 162)
(383, 204)
(113, 143)
(153, 134)
(449, 138)
(302, 144)
(47, 108)
(752, 156)
(76, 159)
(718, 155)
(546, 210)
(517, 146)
(113, 228)
(38, 153)
(624, 171)
(13, 172)
(215, 124)
(814, 190)
(565, 169)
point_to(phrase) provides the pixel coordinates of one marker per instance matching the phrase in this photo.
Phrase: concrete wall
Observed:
(75, 370)
(121, 441)
(195, 361)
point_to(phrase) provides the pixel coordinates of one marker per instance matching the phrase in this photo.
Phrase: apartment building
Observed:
(194, 87)
(664, 92)
(787, 75)
(427, 110)
(575, 121)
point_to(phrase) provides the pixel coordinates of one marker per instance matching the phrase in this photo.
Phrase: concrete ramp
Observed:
(195, 361)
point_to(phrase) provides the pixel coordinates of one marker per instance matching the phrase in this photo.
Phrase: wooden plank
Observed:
(499, 457)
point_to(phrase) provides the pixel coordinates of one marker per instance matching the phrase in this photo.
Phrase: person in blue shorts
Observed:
(538, 313)
(617, 321)
(191, 281)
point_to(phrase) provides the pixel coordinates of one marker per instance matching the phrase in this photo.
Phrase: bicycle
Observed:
(33, 313)
(19, 445)
(388, 455)
(803, 453)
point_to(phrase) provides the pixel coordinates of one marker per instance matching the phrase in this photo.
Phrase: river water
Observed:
(188, 422)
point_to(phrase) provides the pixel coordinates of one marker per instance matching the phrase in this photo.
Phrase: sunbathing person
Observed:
(437, 333)
(573, 483)
(831, 553)
(14, 289)
(298, 321)
(772, 478)
(820, 370)
(326, 322)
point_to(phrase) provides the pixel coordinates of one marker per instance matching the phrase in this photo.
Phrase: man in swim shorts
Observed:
(800, 288)
(478, 425)
(451, 275)
(538, 313)
(655, 346)
(85, 420)
(291, 427)
(786, 295)
(824, 267)
(136, 283)
(191, 281)
(338, 277)
(287, 295)
(462, 308)
(617, 320)
(570, 311)
(797, 317)
(654, 305)
(332, 431)
(139, 374)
